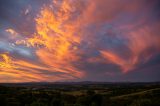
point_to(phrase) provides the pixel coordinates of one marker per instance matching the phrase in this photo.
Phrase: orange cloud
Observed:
(138, 42)
(13, 33)
(5, 61)
(55, 40)
(24, 71)
(71, 35)
(124, 64)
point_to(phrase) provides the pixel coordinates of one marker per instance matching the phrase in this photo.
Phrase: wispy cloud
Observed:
(78, 39)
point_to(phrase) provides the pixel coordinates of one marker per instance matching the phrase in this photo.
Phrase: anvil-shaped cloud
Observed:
(77, 40)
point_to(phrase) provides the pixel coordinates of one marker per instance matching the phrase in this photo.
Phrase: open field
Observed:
(80, 94)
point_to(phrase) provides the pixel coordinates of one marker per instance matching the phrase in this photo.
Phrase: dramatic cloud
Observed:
(76, 40)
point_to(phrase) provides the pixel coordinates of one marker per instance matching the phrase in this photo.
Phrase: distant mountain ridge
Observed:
(77, 83)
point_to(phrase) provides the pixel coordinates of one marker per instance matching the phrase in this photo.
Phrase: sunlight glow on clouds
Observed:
(63, 40)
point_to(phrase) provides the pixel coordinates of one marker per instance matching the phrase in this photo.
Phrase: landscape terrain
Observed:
(80, 94)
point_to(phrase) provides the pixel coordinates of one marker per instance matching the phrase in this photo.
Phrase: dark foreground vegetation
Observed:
(80, 94)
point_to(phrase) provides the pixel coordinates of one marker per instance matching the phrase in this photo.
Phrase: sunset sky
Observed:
(79, 40)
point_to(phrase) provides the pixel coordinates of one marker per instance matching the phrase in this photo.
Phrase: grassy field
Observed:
(80, 94)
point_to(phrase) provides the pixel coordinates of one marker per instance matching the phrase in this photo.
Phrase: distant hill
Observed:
(50, 84)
